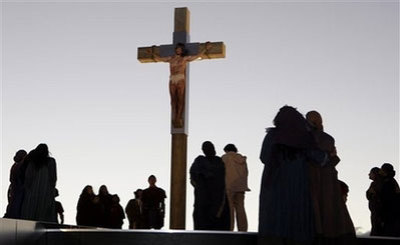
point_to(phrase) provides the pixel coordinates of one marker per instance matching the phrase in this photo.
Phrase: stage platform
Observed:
(22, 232)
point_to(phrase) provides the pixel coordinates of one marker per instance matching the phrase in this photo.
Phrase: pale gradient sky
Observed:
(70, 78)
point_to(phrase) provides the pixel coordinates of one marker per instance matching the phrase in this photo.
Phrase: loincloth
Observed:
(176, 78)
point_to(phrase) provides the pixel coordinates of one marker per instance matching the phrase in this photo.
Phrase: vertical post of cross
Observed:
(179, 135)
(179, 120)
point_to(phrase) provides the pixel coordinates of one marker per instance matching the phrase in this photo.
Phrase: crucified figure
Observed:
(177, 79)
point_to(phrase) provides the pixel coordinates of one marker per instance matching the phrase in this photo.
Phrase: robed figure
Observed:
(207, 175)
(286, 210)
(16, 189)
(85, 214)
(333, 224)
(40, 182)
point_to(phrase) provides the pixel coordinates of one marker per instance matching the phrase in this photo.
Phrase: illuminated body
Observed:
(177, 80)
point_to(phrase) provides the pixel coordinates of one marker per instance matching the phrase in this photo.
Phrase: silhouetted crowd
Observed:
(146, 211)
(219, 185)
(384, 201)
(302, 201)
(32, 191)
(102, 210)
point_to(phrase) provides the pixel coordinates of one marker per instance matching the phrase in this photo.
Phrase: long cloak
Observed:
(286, 212)
(39, 203)
(85, 214)
(211, 208)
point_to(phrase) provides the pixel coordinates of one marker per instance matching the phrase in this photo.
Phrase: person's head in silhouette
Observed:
(56, 193)
(388, 170)
(42, 150)
(152, 180)
(87, 191)
(230, 147)
(291, 129)
(103, 191)
(208, 149)
(20, 156)
(39, 155)
(289, 118)
(115, 198)
(314, 119)
(180, 49)
(374, 173)
(138, 194)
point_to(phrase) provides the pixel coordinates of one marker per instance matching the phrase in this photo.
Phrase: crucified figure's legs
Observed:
(177, 93)
(181, 101)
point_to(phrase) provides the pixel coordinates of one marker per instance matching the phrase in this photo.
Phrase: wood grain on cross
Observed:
(179, 132)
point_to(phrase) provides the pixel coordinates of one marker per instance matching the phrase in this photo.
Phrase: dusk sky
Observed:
(70, 78)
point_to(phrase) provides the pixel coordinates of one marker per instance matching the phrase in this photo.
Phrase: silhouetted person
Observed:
(16, 192)
(134, 211)
(286, 210)
(40, 182)
(153, 205)
(117, 214)
(98, 213)
(390, 201)
(207, 175)
(105, 200)
(236, 173)
(85, 210)
(59, 209)
(374, 193)
(332, 219)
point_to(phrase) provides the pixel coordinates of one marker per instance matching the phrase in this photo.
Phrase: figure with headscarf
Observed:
(40, 183)
(16, 192)
(332, 219)
(286, 210)
(390, 201)
(86, 208)
(104, 200)
(207, 176)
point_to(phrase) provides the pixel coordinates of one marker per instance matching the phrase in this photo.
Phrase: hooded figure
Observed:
(236, 173)
(207, 175)
(85, 210)
(40, 182)
(286, 210)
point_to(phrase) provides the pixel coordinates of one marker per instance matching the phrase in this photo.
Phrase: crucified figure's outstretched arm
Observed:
(157, 57)
(201, 53)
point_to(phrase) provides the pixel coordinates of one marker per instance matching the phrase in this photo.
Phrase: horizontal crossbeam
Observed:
(148, 54)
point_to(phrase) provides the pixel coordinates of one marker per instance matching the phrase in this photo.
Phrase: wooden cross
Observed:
(179, 129)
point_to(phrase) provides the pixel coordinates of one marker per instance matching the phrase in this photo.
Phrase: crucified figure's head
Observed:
(180, 49)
